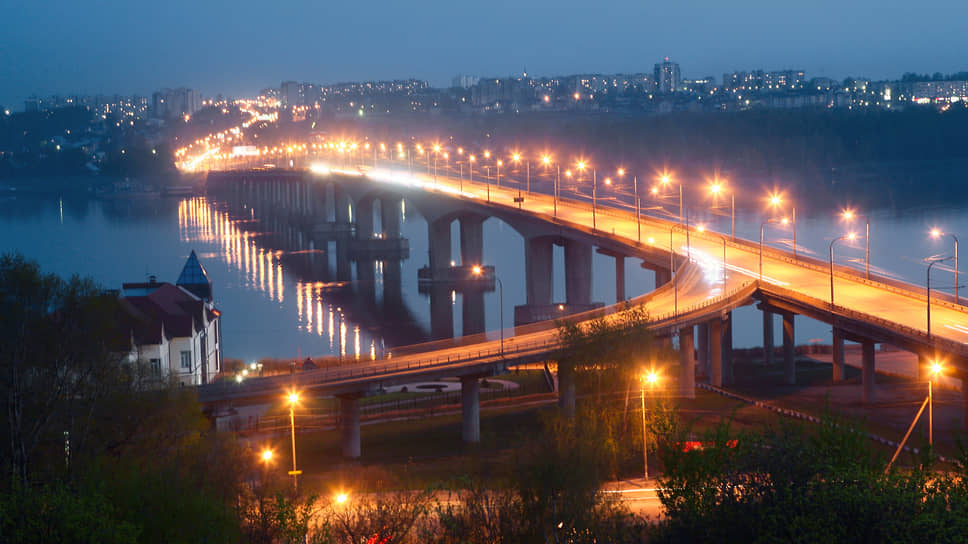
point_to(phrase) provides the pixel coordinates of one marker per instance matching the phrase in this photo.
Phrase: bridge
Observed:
(701, 277)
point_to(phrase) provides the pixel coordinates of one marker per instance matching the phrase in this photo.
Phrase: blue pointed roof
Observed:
(193, 274)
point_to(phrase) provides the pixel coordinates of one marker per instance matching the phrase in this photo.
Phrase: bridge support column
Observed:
(390, 212)
(789, 356)
(366, 279)
(716, 353)
(441, 313)
(867, 372)
(703, 341)
(364, 220)
(837, 347)
(687, 363)
(539, 270)
(349, 412)
(729, 378)
(471, 240)
(472, 311)
(566, 389)
(341, 205)
(768, 355)
(470, 396)
(392, 283)
(439, 238)
(578, 272)
(619, 278)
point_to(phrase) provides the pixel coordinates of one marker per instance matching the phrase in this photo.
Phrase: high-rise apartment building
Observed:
(667, 78)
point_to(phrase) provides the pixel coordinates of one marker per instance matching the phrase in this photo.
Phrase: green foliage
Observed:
(797, 483)
(58, 514)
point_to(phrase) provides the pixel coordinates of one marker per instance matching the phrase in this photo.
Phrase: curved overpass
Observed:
(716, 274)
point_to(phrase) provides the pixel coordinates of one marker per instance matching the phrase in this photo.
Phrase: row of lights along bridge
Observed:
(578, 167)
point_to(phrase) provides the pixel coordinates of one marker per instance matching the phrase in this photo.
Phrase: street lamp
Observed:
(849, 215)
(936, 233)
(762, 225)
(649, 378)
(546, 161)
(936, 370)
(665, 179)
(477, 270)
(775, 200)
(928, 285)
(293, 399)
(850, 236)
(715, 189)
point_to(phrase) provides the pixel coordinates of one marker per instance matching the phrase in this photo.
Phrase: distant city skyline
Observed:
(62, 47)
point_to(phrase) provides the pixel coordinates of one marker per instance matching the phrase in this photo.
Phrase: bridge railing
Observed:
(919, 335)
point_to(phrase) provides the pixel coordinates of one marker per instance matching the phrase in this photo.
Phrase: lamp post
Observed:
(849, 215)
(649, 379)
(436, 153)
(477, 270)
(850, 236)
(937, 234)
(762, 225)
(293, 399)
(928, 291)
(775, 200)
(638, 207)
(715, 189)
(936, 370)
(665, 179)
(546, 161)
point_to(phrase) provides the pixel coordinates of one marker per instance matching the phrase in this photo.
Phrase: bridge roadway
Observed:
(702, 293)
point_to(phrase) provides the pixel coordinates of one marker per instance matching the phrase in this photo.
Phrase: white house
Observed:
(175, 329)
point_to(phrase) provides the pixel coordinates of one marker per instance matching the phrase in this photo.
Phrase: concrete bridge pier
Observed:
(391, 210)
(364, 220)
(566, 389)
(539, 271)
(578, 272)
(789, 354)
(768, 354)
(472, 311)
(392, 283)
(344, 270)
(702, 337)
(441, 312)
(716, 352)
(662, 276)
(471, 240)
(729, 377)
(619, 272)
(687, 363)
(837, 346)
(349, 425)
(470, 397)
(342, 210)
(439, 245)
(867, 371)
(366, 279)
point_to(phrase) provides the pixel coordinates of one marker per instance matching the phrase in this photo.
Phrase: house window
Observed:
(186, 360)
(155, 366)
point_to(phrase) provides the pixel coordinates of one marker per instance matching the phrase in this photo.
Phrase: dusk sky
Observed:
(237, 48)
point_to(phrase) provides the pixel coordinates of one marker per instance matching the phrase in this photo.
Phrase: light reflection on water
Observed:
(273, 307)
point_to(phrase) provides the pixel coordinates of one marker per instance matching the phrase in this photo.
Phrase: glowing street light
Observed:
(937, 233)
(650, 379)
(341, 498)
(936, 371)
(762, 225)
(849, 215)
(850, 236)
(928, 290)
(718, 187)
(477, 270)
(775, 201)
(293, 399)
(665, 179)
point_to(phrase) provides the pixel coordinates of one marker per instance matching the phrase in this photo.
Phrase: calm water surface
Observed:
(283, 303)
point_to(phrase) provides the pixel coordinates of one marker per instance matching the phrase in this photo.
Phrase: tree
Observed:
(59, 342)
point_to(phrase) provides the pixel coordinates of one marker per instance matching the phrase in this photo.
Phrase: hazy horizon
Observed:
(119, 48)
